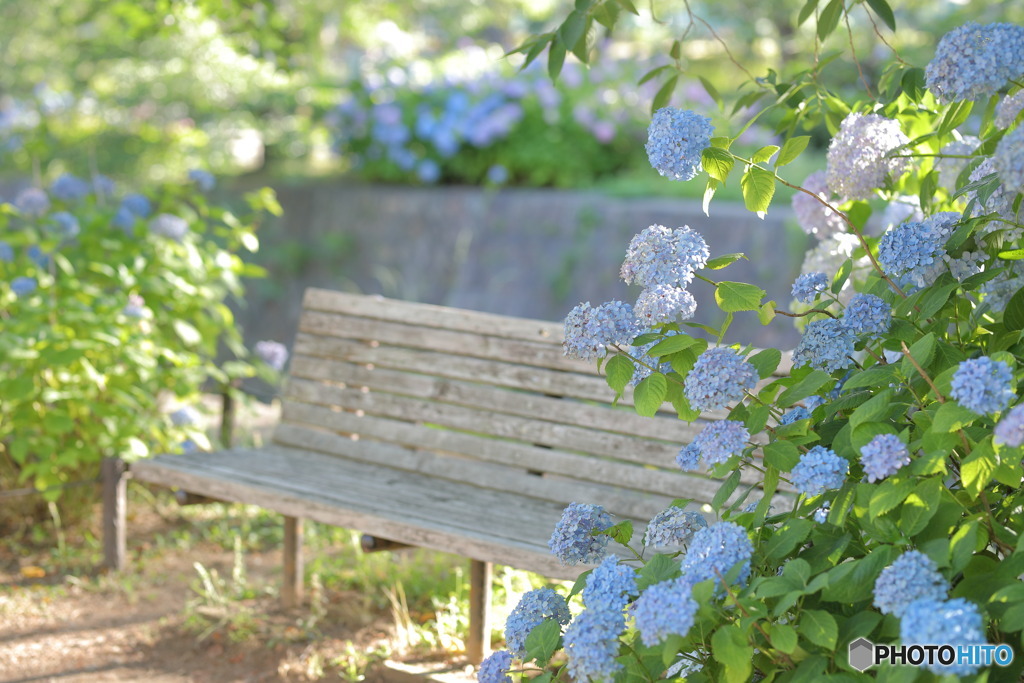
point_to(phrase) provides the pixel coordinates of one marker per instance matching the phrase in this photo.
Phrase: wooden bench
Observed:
(454, 430)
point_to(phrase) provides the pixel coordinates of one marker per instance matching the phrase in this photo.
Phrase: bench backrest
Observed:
(475, 397)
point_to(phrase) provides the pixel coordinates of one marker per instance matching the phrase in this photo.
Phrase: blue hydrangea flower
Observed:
(975, 61)
(22, 286)
(665, 609)
(716, 443)
(675, 140)
(6, 252)
(720, 376)
(814, 217)
(715, 550)
(662, 256)
(38, 256)
(983, 385)
(860, 157)
(70, 188)
(136, 306)
(673, 527)
(274, 354)
(495, 668)
(610, 586)
(497, 174)
(170, 226)
(931, 621)
(572, 542)
(32, 202)
(689, 457)
(137, 204)
(812, 402)
(1009, 108)
(914, 252)
(950, 167)
(867, 314)
(820, 515)
(826, 345)
(912, 576)
(808, 286)
(428, 171)
(124, 219)
(203, 179)
(592, 644)
(664, 304)
(1000, 201)
(534, 608)
(103, 186)
(1008, 160)
(819, 470)
(589, 331)
(67, 223)
(883, 456)
(795, 415)
(643, 362)
(184, 416)
(1010, 430)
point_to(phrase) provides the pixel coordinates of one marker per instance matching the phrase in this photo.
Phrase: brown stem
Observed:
(853, 53)
(806, 313)
(920, 370)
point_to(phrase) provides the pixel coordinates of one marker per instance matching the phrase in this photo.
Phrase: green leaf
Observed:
(628, 6)
(874, 377)
(957, 113)
(664, 93)
(725, 490)
(763, 155)
(709, 193)
(782, 542)
(543, 641)
(806, 11)
(913, 83)
(659, 568)
(720, 262)
(791, 149)
(187, 333)
(766, 362)
(819, 627)
(717, 162)
(652, 73)
(888, 495)
(572, 28)
(962, 545)
(711, 90)
(951, 416)
(620, 533)
(783, 455)
(758, 187)
(884, 12)
(766, 313)
(556, 58)
(618, 372)
(829, 18)
(922, 351)
(784, 638)
(733, 297)
(841, 276)
(873, 410)
(730, 647)
(805, 387)
(1013, 317)
(920, 506)
(977, 468)
(673, 344)
(650, 394)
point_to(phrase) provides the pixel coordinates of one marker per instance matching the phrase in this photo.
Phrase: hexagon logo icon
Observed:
(862, 654)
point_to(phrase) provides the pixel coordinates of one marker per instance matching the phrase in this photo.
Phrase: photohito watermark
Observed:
(864, 654)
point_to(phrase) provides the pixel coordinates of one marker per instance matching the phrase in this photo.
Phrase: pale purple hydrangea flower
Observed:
(974, 61)
(1010, 430)
(170, 226)
(1000, 202)
(589, 331)
(808, 286)
(983, 385)
(1009, 108)
(860, 155)
(819, 470)
(664, 304)
(867, 314)
(950, 168)
(32, 202)
(912, 576)
(662, 256)
(899, 210)
(69, 188)
(274, 354)
(67, 224)
(572, 542)
(931, 621)
(675, 140)
(714, 551)
(998, 290)
(883, 456)
(673, 527)
(137, 205)
(720, 376)
(665, 609)
(184, 416)
(136, 306)
(814, 217)
(495, 668)
(22, 286)
(533, 609)
(826, 345)
(716, 443)
(1008, 161)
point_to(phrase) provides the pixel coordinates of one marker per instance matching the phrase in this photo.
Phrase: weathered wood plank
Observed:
(617, 499)
(602, 417)
(428, 315)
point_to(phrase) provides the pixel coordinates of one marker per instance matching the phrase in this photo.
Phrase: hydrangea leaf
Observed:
(729, 646)
(618, 371)
(766, 362)
(649, 394)
(659, 568)
(733, 297)
(888, 495)
(920, 506)
(804, 387)
(669, 345)
(717, 162)
(720, 262)
(758, 187)
(543, 641)
(791, 149)
(829, 18)
(951, 417)
(819, 627)
(963, 545)
(725, 490)
(788, 537)
(764, 154)
(783, 455)
(977, 468)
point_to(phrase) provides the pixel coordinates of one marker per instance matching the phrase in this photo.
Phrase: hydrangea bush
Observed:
(890, 503)
(114, 315)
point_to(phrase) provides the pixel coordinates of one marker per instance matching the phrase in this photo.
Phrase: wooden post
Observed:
(291, 591)
(478, 644)
(114, 473)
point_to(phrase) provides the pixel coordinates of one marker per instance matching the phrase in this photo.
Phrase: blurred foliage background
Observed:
(289, 88)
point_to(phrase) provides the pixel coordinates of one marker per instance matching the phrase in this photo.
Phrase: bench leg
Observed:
(478, 644)
(291, 591)
(114, 473)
